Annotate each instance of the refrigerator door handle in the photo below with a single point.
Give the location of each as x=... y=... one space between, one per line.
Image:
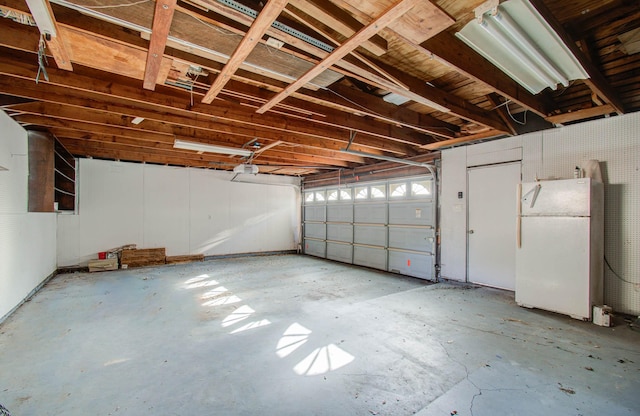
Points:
x=519 y=218
x=535 y=190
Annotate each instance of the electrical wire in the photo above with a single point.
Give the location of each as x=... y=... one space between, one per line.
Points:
x=214 y=27
x=380 y=115
x=114 y=6
x=524 y=120
x=616 y=274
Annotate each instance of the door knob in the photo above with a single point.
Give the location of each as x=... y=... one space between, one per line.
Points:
x=470 y=231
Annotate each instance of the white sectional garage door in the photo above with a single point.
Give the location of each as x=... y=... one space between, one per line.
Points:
x=386 y=225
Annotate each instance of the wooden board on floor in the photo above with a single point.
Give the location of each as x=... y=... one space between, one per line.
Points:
x=184 y=259
x=143 y=257
x=103 y=265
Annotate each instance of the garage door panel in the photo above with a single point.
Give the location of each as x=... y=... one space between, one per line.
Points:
x=340 y=213
x=412 y=213
x=340 y=232
x=373 y=257
x=340 y=252
x=315 y=248
x=411 y=264
x=315 y=230
x=314 y=213
x=370 y=235
x=371 y=213
x=418 y=239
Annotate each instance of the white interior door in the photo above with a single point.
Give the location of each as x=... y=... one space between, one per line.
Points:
x=492 y=225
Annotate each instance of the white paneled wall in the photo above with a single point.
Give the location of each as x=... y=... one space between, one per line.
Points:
x=453 y=214
x=27 y=240
x=554 y=153
x=187 y=211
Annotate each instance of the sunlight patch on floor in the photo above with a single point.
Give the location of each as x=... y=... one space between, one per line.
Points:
x=322 y=360
x=240 y=314
x=222 y=300
x=292 y=338
x=252 y=325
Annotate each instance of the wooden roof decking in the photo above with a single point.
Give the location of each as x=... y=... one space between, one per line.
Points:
x=111 y=61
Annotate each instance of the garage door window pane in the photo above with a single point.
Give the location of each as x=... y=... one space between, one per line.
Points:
x=320 y=196
x=308 y=197
x=397 y=190
x=421 y=189
x=345 y=194
x=362 y=192
x=332 y=195
x=378 y=192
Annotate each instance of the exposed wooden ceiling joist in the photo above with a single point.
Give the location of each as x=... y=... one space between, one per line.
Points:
x=160 y=30
x=387 y=17
x=56 y=43
x=456 y=96
x=258 y=28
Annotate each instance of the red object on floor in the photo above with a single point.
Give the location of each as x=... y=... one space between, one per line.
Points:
x=102 y=255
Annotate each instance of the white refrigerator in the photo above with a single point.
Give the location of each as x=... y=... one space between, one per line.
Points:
x=560 y=246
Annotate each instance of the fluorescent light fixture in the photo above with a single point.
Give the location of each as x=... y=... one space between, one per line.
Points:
x=137 y=120
x=41 y=13
x=203 y=147
x=515 y=38
x=396 y=99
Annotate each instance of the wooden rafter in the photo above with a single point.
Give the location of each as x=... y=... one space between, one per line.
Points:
x=161 y=23
x=267 y=15
x=304 y=20
x=163 y=105
x=55 y=42
x=452 y=52
x=340 y=21
x=502 y=111
x=418 y=90
x=581 y=114
x=395 y=11
x=596 y=81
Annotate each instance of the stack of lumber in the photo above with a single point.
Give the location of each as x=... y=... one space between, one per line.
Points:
x=143 y=257
x=184 y=259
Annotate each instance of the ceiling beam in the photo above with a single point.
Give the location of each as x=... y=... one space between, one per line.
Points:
x=258 y=28
x=88 y=120
x=178 y=102
x=392 y=13
x=162 y=18
x=494 y=99
x=168 y=149
x=18 y=36
x=299 y=16
x=55 y=41
x=339 y=20
x=418 y=90
x=464 y=140
x=447 y=49
x=596 y=81
x=581 y=114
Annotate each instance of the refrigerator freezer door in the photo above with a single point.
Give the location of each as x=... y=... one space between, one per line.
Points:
x=552 y=265
x=569 y=197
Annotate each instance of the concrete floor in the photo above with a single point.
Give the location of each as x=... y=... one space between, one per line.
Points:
x=294 y=335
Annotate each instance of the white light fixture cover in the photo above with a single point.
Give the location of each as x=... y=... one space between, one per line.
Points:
x=42 y=15
x=203 y=147
x=521 y=43
x=137 y=120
